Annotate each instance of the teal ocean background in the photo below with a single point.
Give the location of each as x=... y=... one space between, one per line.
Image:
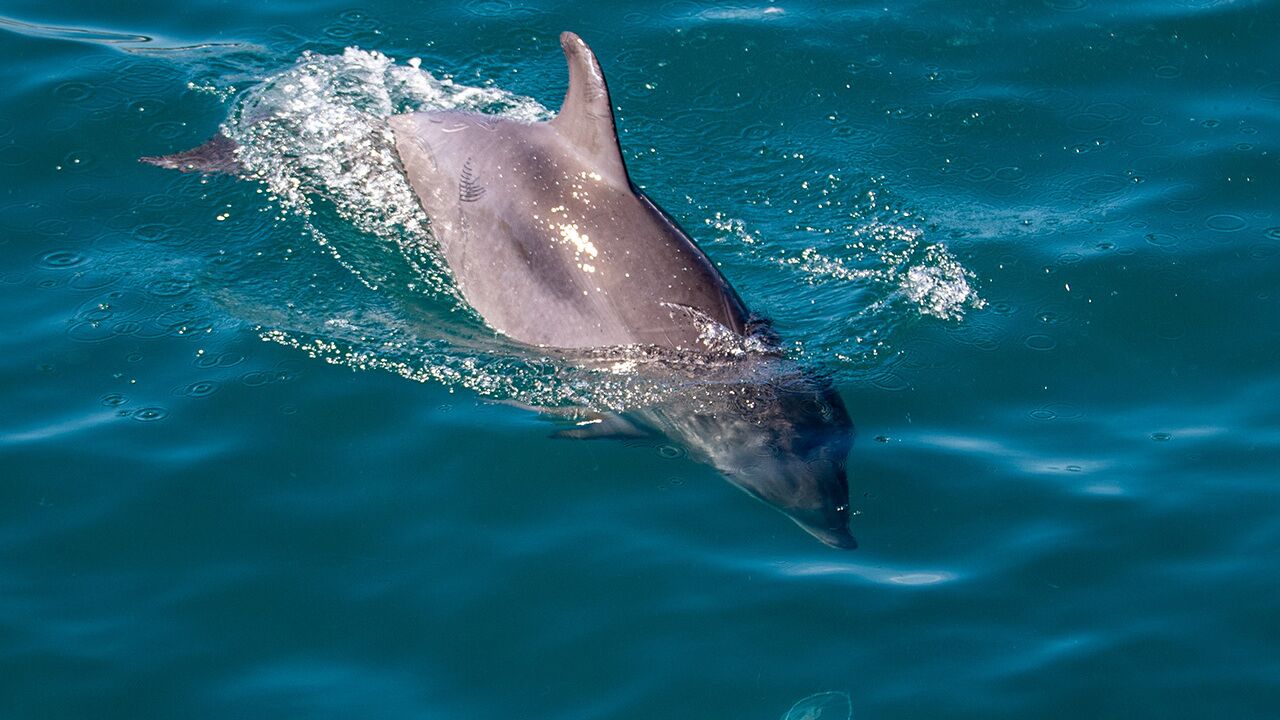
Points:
x=244 y=473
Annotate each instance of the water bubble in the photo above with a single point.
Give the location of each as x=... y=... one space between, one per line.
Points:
x=78 y=161
x=59 y=259
x=1224 y=222
x=221 y=360
x=1161 y=436
x=755 y=132
x=890 y=382
x=1097 y=187
x=1142 y=140
x=489 y=8
x=150 y=414
x=256 y=378
x=168 y=287
x=53 y=227
x=147 y=106
x=113 y=400
x=203 y=388
x=167 y=130
x=670 y=452
x=983 y=336
x=152 y=232
x=1040 y=342
x=979 y=173
x=73 y=92
x=1263 y=251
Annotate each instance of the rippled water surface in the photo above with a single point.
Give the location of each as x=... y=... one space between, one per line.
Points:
x=259 y=459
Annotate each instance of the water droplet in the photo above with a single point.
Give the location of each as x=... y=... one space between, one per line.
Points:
x=150 y=414
x=114 y=400
x=1161 y=436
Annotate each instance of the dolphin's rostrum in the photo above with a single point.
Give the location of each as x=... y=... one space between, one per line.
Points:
x=551 y=243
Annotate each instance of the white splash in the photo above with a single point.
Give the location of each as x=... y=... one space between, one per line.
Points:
x=318 y=132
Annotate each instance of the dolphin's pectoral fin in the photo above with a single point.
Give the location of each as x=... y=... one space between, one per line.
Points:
x=601 y=426
x=217 y=155
x=586 y=117
x=585 y=423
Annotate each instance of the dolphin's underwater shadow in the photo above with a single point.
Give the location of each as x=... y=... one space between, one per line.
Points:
x=550 y=242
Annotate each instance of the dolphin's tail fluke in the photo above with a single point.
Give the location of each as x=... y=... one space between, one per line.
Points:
x=218 y=155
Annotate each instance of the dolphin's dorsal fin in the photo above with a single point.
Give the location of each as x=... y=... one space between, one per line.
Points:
x=586 y=117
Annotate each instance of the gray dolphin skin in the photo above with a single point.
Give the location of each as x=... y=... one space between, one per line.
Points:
x=548 y=239
x=775 y=431
x=554 y=246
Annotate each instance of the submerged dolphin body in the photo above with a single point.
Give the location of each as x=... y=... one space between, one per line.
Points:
x=551 y=243
x=775 y=431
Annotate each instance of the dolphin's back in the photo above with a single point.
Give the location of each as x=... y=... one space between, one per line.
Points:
x=545 y=234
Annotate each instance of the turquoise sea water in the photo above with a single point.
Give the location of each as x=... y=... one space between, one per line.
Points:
x=257 y=461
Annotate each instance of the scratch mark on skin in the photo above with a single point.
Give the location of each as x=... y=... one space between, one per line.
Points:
x=469 y=187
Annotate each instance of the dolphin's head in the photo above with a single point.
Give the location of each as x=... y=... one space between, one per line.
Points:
x=784 y=441
x=801 y=442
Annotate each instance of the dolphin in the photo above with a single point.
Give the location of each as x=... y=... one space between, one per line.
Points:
x=772 y=429
x=550 y=241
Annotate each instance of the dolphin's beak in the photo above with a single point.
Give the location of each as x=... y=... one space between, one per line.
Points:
x=839 y=537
